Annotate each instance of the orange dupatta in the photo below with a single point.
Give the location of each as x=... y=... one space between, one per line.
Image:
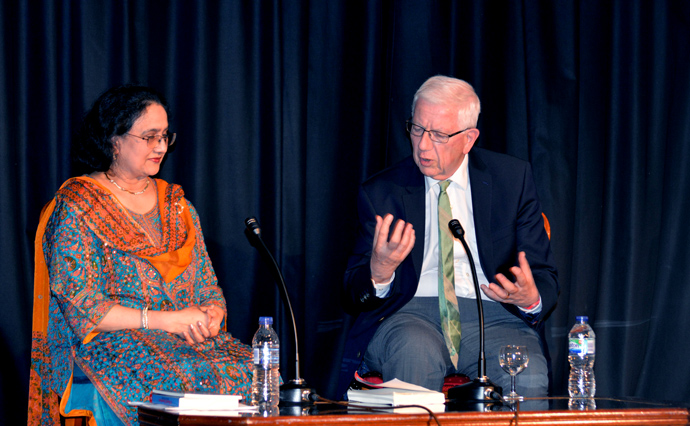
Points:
x=169 y=264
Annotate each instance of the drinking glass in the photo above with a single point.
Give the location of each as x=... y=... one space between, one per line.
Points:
x=513 y=359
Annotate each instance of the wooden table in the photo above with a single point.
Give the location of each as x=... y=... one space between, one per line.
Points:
x=619 y=412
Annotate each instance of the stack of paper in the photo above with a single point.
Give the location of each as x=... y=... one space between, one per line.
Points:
x=395 y=393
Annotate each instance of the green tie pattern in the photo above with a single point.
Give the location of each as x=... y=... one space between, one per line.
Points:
x=447 y=300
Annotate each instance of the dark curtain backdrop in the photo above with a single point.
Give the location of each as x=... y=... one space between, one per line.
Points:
x=283 y=108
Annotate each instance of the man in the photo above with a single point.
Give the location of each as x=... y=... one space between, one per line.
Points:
x=400 y=278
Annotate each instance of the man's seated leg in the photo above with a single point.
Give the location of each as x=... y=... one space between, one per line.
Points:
x=409 y=346
x=502 y=328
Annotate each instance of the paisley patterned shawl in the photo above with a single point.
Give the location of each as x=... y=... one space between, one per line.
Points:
x=111 y=221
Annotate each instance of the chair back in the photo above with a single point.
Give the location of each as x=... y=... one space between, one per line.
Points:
x=547 y=226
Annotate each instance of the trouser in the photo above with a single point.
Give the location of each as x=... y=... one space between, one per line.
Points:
x=409 y=346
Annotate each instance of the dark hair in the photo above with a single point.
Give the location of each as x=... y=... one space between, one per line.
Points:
x=113 y=114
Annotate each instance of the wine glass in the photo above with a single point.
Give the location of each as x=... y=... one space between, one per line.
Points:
x=513 y=359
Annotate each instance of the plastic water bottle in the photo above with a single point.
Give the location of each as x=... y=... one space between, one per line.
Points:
x=581 y=351
x=266 y=381
x=582 y=404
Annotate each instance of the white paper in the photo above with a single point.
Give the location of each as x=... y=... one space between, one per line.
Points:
x=399 y=384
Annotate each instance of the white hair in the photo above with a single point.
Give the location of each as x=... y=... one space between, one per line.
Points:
x=440 y=89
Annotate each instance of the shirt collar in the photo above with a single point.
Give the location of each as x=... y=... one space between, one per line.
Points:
x=460 y=177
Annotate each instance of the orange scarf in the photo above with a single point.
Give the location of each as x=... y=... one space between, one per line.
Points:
x=169 y=264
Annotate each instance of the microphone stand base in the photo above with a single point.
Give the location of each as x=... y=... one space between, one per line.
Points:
x=296 y=392
x=477 y=395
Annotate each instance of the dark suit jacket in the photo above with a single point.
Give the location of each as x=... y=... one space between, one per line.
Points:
x=507 y=219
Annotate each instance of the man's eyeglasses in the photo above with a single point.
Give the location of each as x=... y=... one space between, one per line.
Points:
x=439 y=137
x=153 y=140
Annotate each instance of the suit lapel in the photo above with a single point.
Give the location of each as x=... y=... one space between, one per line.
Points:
x=481 y=184
x=415 y=210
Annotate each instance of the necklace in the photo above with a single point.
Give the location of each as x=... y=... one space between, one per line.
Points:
x=127 y=190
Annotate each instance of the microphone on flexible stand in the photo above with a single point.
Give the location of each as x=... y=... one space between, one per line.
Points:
x=480 y=391
x=295 y=392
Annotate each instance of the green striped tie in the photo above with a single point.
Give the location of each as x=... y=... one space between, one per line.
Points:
x=447 y=300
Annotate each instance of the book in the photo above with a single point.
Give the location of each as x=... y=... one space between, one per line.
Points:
x=395 y=383
x=406 y=409
x=396 y=396
x=195 y=400
x=240 y=410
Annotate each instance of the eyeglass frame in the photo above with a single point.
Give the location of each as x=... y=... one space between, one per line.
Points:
x=409 y=123
x=148 y=139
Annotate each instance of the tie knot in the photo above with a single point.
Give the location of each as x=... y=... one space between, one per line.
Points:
x=444 y=185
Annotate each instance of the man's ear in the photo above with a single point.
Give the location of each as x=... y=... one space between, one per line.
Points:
x=472 y=135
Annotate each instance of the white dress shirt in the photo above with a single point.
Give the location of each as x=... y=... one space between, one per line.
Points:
x=460 y=196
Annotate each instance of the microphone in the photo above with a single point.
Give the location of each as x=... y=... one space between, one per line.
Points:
x=480 y=390
x=294 y=392
x=253 y=225
x=456 y=230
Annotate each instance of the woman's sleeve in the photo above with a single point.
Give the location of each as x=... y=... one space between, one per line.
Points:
x=78 y=267
x=207 y=288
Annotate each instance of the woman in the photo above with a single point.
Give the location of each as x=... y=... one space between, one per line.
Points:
x=126 y=297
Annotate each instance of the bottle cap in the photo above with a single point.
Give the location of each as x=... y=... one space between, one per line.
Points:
x=265 y=320
x=582 y=318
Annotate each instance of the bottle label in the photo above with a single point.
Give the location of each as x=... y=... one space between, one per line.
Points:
x=265 y=355
x=581 y=346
